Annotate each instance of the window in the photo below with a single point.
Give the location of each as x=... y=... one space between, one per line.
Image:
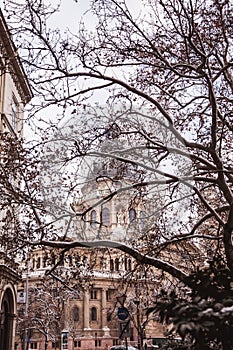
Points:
x=93 y=218
x=75 y=314
x=125 y=263
x=33 y=346
x=129 y=265
x=38 y=263
x=111 y=265
x=93 y=294
x=97 y=341
x=14 y=112
x=53 y=259
x=117 y=264
x=45 y=260
x=77 y=343
x=132 y=215
x=93 y=314
x=109 y=315
x=105 y=216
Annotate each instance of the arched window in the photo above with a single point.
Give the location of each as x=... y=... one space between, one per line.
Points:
x=105 y=216
x=93 y=313
x=93 y=218
x=126 y=264
x=132 y=215
x=75 y=313
x=117 y=264
x=111 y=265
x=129 y=265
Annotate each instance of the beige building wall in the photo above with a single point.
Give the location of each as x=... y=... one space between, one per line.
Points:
x=90 y=314
x=14 y=94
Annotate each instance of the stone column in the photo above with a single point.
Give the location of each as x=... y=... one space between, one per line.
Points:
x=86 y=310
x=104 y=313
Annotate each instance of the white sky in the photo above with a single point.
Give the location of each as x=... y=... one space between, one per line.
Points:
x=71 y=12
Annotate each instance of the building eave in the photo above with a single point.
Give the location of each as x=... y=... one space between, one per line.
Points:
x=11 y=52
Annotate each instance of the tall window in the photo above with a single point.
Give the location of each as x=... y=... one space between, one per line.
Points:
x=111 y=265
x=38 y=263
x=93 y=294
x=132 y=215
x=44 y=260
x=105 y=216
x=14 y=112
x=93 y=313
x=117 y=264
x=53 y=259
x=93 y=218
x=75 y=313
x=129 y=265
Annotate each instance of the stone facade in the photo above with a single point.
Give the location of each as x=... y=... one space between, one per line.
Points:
x=14 y=94
x=88 y=313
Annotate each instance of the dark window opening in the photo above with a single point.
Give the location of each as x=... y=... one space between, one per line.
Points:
x=132 y=215
x=117 y=264
x=93 y=294
x=75 y=314
x=111 y=265
x=93 y=314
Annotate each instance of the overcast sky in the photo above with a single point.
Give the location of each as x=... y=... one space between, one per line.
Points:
x=71 y=12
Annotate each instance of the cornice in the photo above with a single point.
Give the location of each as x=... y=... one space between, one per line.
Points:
x=9 y=52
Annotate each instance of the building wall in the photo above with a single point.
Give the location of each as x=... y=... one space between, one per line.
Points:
x=95 y=324
x=96 y=278
x=14 y=94
x=100 y=291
